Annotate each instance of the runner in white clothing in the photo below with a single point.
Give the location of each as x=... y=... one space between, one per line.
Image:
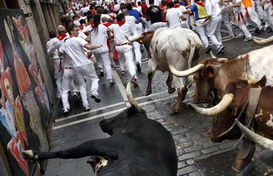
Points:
x=131 y=20
x=99 y=35
x=122 y=31
x=174 y=16
x=52 y=51
x=82 y=66
x=215 y=20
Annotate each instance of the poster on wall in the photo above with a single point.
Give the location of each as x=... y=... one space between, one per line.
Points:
x=24 y=102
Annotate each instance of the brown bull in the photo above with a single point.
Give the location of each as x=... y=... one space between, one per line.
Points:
x=223 y=122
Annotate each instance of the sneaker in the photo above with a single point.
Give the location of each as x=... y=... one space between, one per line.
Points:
x=258 y=31
x=66 y=112
x=138 y=67
x=220 y=49
x=207 y=50
x=111 y=81
x=86 y=109
x=101 y=74
x=247 y=39
x=96 y=98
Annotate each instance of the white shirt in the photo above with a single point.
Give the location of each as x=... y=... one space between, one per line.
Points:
x=213 y=8
x=173 y=17
x=99 y=37
x=131 y=20
x=237 y=10
x=116 y=7
x=121 y=32
x=82 y=35
x=73 y=47
x=84 y=9
x=52 y=47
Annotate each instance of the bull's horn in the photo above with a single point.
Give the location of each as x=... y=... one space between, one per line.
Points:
x=222 y=59
x=220 y=107
x=252 y=81
x=264 y=142
x=135 y=38
x=187 y=72
x=263 y=41
x=212 y=55
x=130 y=97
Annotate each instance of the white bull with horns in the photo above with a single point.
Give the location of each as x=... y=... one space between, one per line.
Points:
x=174 y=50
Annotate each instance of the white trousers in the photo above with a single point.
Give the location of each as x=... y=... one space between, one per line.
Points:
x=68 y=76
x=226 y=21
x=254 y=17
x=88 y=72
x=201 y=29
x=103 y=60
x=242 y=26
x=126 y=55
x=137 y=52
x=58 y=76
x=267 y=16
x=214 y=32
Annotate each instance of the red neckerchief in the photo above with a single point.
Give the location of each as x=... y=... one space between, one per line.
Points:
x=107 y=24
x=61 y=36
x=176 y=5
x=200 y=3
x=120 y=23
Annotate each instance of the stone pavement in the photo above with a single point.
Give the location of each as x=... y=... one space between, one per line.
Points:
x=189 y=129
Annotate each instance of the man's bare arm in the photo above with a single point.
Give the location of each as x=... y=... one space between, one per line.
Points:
x=91 y=47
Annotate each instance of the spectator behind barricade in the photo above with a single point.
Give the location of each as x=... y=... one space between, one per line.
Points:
x=133 y=12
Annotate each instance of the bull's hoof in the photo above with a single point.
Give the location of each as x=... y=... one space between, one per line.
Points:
x=175 y=109
x=148 y=92
x=172 y=112
x=171 y=90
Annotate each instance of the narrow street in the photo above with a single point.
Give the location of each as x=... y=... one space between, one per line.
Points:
x=197 y=155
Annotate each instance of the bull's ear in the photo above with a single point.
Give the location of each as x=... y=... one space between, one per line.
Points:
x=261 y=82
x=208 y=72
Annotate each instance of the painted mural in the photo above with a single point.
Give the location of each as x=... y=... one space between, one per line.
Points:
x=24 y=102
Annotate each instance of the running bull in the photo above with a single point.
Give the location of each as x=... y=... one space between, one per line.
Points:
x=251 y=105
x=172 y=49
x=212 y=80
x=137 y=146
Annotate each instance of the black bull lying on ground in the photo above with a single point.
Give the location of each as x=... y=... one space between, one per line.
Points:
x=137 y=146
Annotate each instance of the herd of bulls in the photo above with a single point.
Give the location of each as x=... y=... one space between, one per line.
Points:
x=237 y=89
